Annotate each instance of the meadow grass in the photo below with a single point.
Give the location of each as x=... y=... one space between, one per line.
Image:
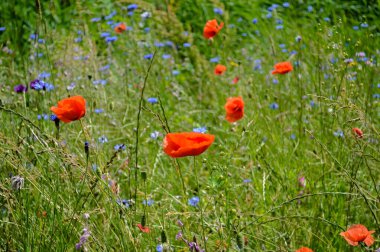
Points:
x=290 y=173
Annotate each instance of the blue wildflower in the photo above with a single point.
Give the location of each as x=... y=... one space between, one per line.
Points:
x=254 y=21
x=194 y=201
x=119 y=147
x=200 y=129
x=104 y=34
x=159 y=44
x=175 y=72
x=53 y=117
x=33 y=36
x=282 y=45
x=132 y=7
x=214 y=60
x=169 y=43
x=218 y=11
x=146 y=29
x=339 y=133
x=41 y=41
x=275 y=81
x=2 y=28
x=97 y=82
x=269 y=15
x=71 y=86
x=279 y=21
x=95 y=19
x=148 y=202
x=327 y=19
x=247 y=180
x=166 y=56
x=286 y=5
x=110 y=15
x=312 y=104
x=309 y=8
x=104 y=68
x=111 y=39
x=160 y=248
x=103 y=139
x=148 y=56
x=274 y=106
x=279 y=27
x=154 y=135
x=98 y=111
x=78 y=40
x=292 y=136
x=355 y=27
x=152 y=100
x=364 y=25
x=186 y=44
x=44 y=75
x=376 y=96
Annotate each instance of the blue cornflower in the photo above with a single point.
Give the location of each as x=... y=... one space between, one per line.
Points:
x=132 y=7
x=214 y=60
x=104 y=34
x=104 y=68
x=355 y=27
x=194 y=201
x=152 y=100
x=231 y=26
x=110 y=22
x=41 y=41
x=175 y=72
x=254 y=21
x=148 y=202
x=200 y=129
x=98 y=111
x=110 y=15
x=269 y=15
x=48 y=86
x=364 y=25
x=218 y=11
x=293 y=52
x=285 y=4
x=78 y=40
x=119 y=147
x=2 y=28
x=275 y=81
x=160 y=248
x=282 y=45
x=247 y=180
x=279 y=21
x=309 y=8
x=103 y=139
x=111 y=39
x=53 y=117
x=327 y=19
x=159 y=44
x=154 y=135
x=95 y=19
x=169 y=43
x=166 y=56
x=124 y=202
x=44 y=75
x=279 y=27
x=148 y=56
x=339 y=133
x=33 y=36
x=292 y=136
x=146 y=29
x=97 y=82
x=274 y=106
x=186 y=44
x=376 y=96
x=312 y=104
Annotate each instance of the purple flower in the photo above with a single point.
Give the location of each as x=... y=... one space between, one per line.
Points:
x=179 y=223
x=119 y=147
x=247 y=180
x=302 y=181
x=178 y=235
x=148 y=202
x=83 y=239
x=154 y=135
x=218 y=11
x=20 y=88
x=96 y=19
x=194 y=201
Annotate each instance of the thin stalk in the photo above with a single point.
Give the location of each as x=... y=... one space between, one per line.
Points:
x=200 y=207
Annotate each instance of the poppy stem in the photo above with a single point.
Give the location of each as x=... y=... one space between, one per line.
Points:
x=200 y=201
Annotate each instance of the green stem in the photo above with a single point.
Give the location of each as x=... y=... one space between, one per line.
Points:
x=200 y=205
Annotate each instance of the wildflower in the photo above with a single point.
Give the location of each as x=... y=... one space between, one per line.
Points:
x=159 y=44
x=166 y=56
x=309 y=8
x=103 y=139
x=247 y=180
x=104 y=34
x=160 y=248
x=148 y=56
x=17 y=182
x=179 y=223
x=358 y=233
x=358 y=132
x=200 y=130
x=364 y=25
x=111 y=15
x=298 y=38
x=327 y=19
x=186 y=144
x=254 y=21
x=111 y=39
x=97 y=82
x=86 y=216
x=154 y=135
x=214 y=60
x=282 y=68
x=98 y=111
x=274 y=106
x=186 y=44
x=269 y=15
x=355 y=27
x=132 y=7
x=2 y=28
x=20 y=88
x=71 y=86
x=175 y=72
x=285 y=4
x=304 y=249
x=119 y=147
x=95 y=19
x=234 y=109
x=148 y=202
x=235 y=80
x=194 y=201
x=339 y=133
x=37 y=84
x=44 y=75
x=143 y=229
x=218 y=11
x=279 y=27
x=120 y=28
x=83 y=239
x=146 y=15
x=220 y=69
x=70 y=109
x=212 y=28
x=41 y=41
x=302 y=181
x=152 y=100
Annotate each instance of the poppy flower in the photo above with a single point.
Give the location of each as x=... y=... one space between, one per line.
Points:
x=120 y=28
x=234 y=109
x=358 y=132
x=220 y=69
x=212 y=28
x=235 y=80
x=282 y=68
x=304 y=249
x=143 y=229
x=358 y=233
x=70 y=109
x=186 y=144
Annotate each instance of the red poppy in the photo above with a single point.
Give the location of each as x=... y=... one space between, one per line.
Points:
x=235 y=80
x=304 y=249
x=70 y=109
x=234 y=109
x=220 y=69
x=358 y=233
x=186 y=144
x=358 y=132
x=212 y=28
x=282 y=68
x=120 y=28
x=143 y=229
